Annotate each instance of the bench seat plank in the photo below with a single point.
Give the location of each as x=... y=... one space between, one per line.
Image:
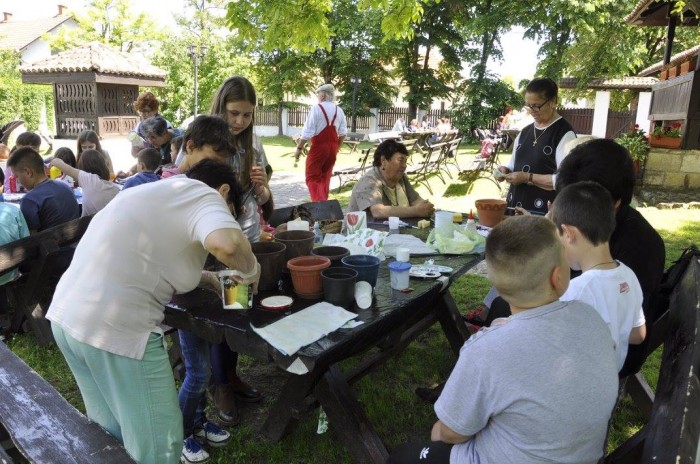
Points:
x=44 y=427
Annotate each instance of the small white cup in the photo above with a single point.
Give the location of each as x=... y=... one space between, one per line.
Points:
x=393 y=223
x=363 y=294
x=403 y=254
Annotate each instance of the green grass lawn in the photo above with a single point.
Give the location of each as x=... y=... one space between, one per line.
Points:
x=387 y=394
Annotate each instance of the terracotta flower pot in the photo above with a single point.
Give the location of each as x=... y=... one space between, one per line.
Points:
x=490 y=211
x=663 y=75
x=673 y=72
x=689 y=65
x=665 y=142
x=306 y=275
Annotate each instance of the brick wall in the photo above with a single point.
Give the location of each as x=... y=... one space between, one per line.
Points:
x=671 y=174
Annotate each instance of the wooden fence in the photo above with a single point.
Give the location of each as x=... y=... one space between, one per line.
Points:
x=266 y=117
x=581 y=119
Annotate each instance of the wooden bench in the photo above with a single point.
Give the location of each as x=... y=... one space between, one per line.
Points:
x=671 y=434
x=43 y=426
x=31 y=293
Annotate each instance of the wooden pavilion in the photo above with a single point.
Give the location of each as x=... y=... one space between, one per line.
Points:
x=94 y=88
x=676 y=100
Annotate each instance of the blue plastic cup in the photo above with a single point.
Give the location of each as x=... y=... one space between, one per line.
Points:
x=367 y=267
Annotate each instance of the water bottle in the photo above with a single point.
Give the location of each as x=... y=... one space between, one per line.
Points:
x=318 y=237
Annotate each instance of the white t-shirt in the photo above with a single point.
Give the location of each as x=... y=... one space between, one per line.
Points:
x=97 y=192
x=316 y=122
x=617 y=296
x=141 y=249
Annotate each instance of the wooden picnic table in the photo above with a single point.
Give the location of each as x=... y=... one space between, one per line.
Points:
x=390 y=324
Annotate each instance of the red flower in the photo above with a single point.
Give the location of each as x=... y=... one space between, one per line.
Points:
x=352 y=219
x=369 y=243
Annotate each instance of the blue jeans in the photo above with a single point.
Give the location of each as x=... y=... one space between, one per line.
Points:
x=192 y=396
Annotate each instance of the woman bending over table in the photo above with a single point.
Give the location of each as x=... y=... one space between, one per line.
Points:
x=385 y=190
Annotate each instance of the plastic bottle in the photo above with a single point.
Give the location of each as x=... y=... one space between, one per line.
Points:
x=471 y=224
x=318 y=237
x=13 y=184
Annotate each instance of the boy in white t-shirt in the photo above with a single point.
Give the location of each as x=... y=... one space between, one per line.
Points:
x=584 y=215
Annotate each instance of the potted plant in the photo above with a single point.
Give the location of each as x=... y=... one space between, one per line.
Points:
x=667 y=136
x=637 y=144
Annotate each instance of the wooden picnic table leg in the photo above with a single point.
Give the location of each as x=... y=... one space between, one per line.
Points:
x=284 y=414
x=451 y=321
x=348 y=420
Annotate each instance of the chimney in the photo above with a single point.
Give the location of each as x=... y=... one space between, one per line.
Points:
x=6 y=17
x=62 y=9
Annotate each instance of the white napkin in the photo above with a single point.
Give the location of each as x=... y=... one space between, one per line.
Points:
x=293 y=332
x=416 y=245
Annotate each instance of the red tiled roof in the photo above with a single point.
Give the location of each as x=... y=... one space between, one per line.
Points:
x=96 y=57
x=675 y=59
x=17 y=35
x=635 y=83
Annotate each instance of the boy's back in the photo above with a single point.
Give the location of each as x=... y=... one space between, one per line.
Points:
x=49 y=204
x=617 y=296
x=539 y=388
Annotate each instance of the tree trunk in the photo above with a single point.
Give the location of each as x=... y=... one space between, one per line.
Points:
x=280 y=108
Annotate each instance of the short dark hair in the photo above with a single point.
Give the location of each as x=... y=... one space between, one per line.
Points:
x=154 y=125
x=603 y=161
x=93 y=161
x=213 y=131
x=28 y=139
x=518 y=265
x=150 y=157
x=215 y=174
x=587 y=206
x=386 y=150
x=543 y=85
x=25 y=157
x=66 y=155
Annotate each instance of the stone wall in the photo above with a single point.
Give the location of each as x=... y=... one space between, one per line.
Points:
x=671 y=175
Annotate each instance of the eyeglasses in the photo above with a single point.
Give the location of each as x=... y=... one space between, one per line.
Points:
x=536 y=108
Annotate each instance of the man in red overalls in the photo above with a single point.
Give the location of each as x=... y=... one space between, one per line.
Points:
x=326 y=127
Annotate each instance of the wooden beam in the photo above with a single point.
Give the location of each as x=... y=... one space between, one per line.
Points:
x=90 y=77
x=670 y=34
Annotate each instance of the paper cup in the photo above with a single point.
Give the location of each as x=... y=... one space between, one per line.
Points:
x=355 y=221
x=363 y=294
x=403 y=254
x=443 y=222
x=233 y=294
x=393 y=223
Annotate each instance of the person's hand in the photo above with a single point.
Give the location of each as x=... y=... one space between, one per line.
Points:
x=521 y=211
x=424 y=208
x=252 y=278
x=258 y=175
x=517 y=177
x=266 y=236
x=210 y=281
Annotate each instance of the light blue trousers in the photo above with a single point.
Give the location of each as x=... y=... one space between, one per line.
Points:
x=134 y=400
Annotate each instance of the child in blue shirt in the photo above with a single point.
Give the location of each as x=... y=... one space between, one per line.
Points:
x=148 y=160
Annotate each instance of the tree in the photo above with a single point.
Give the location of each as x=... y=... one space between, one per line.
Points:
x=201 y=25
x=22 y=101
x=281 y=74
x=111 y=22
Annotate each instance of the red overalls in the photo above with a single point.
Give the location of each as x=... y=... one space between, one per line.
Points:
x=321 y=158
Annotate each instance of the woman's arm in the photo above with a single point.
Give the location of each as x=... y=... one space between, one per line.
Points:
x=543 y=181
x=232 y=248
x=420 y=208
x=65 y=168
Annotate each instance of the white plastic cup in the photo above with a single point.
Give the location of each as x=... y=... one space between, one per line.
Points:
x=403 y=254
x=443 y=222
x=393 y=223
x=363 y=294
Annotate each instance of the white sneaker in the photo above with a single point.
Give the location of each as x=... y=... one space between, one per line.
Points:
x=212 y=435
x=193 y=453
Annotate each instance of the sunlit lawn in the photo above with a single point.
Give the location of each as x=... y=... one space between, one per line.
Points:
x=387 y=394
